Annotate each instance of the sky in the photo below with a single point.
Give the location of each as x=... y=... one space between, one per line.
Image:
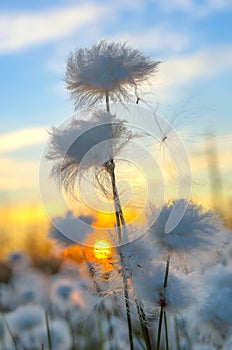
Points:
x=192 y=88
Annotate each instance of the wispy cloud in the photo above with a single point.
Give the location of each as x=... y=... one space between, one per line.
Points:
x=184 y=70
x=196 y=8
x=22 y=138
x=200 y=64
x=18 y=175
x=158 y=38
x=22 y=29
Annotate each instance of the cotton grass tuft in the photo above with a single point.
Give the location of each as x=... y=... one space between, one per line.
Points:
x=80 y=143
x=106 y=69
x=198 y=230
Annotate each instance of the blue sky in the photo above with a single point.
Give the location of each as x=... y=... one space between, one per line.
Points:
x=192 y=38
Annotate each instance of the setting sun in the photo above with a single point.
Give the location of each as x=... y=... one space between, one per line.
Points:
x=102 y=249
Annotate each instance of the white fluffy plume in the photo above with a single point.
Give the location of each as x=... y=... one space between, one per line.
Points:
x=106 y=69
x=89 y=143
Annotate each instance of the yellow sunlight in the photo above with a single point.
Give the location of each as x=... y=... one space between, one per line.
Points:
x=102 y=249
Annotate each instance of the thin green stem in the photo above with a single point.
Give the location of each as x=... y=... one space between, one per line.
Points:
x=48 y=331
x=119 y=221
x=145 y=330
x=162 y=308
x=107 y=102
x=166 y=330
x=10 y=332
x=166 y=272
x=129 y=323
x=120 y=217
x=159 y=328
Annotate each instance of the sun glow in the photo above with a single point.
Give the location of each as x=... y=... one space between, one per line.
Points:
x=102 y=250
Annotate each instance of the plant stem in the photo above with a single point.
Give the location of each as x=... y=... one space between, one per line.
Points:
x=129 y=323
x=162 y=310
x=107 y=102
x=120 y=221
x=117 y=204
x=48 y=332
x=141 y=313
x=159 y=328
x=10 y=332
x=166 y=330
x=145 y=330
x=166 y=272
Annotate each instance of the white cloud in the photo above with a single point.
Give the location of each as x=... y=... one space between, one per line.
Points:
x=158 y=38
x=22 y=138
x=196 y=8
x=181 y=70
x=21 y=30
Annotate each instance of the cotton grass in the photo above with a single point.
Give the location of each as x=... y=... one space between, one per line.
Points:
x=80 y=142
x=198 y=230
x=107 y=69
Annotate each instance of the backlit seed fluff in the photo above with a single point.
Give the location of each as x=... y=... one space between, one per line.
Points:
x=106 y=69
x=83 y=144
x=198 y=230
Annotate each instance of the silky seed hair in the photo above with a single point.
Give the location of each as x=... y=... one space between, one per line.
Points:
x=69 y=145
x=107 y=69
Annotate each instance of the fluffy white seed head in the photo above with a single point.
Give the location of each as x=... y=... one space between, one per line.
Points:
x=179 y=294
x=25 y=318
x=30 y=287
x=217 y=311
x=60 y=336
x=67 y=295
x=198 y=230
x=106 y=69
x=18 y=261
x=89 y=143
